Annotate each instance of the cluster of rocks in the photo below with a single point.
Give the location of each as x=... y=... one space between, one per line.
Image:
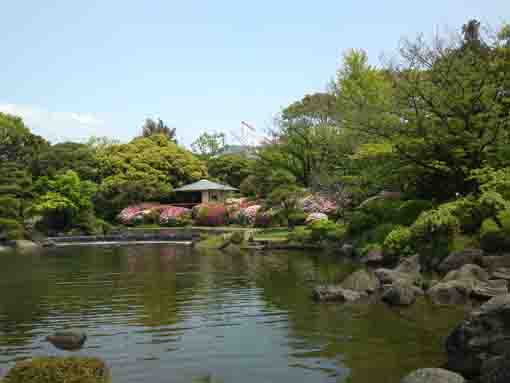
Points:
x=468 y=275
x=479 y=348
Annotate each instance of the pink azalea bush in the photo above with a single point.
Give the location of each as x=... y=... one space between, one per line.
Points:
x=211 y=214
x=170 y=213
x=315 y=217
x=315 y=203
x=250 y=213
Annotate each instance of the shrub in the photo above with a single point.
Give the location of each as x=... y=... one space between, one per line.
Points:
x=168 y=216
x=382 y=210
x=250 y=213
x=492 y=237
x=323 y=229
x=380 y=232
x=504 y=221
x=249 y=186
x=300 y=235
x=434 y=231
x=409 y=211
x=9 y=207
x=237 y=237
x=212 y=214
x=399 y=242
x=360 y=221
x=11 y=229
x=263 y=218
x=296 y=218
x=315 y=217
x=52 y=369
x=491 y=203
x=318 y=204
x=370 y=247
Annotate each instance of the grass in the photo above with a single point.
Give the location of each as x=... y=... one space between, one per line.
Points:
x=273 y=234
x=53 y=369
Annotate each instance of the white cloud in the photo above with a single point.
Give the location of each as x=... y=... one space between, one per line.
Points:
x=57 y=126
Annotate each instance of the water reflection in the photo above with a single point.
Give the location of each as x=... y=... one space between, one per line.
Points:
x=168 y=313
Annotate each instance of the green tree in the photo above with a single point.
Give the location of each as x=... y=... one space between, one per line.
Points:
x=65 y=202
x=146 y=169
x=230 y=169
x=209 y=145
x=444 y=109
x=65 y=156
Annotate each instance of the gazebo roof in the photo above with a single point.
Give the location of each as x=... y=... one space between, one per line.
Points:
x=203 y=185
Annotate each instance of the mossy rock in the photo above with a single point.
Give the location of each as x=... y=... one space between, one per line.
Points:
x=53 y=370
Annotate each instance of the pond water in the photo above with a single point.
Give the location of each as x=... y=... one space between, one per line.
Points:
x=167 y=313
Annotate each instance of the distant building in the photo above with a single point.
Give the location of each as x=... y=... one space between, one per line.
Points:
x=203 y=191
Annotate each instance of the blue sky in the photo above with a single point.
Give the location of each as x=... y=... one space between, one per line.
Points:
x=100 y=67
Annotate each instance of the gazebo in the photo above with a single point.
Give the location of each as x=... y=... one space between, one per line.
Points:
x=204 y=191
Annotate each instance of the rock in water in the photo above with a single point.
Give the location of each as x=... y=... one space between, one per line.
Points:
x=459 y=259
x=485 y=335
x=433 y=375
x=67 y=340
x=362 y=281
x=336 y=293
x=400 y=294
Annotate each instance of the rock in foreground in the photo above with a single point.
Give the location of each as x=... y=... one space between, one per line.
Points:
x=433 y=375
x=484 y=336
x=46 y=370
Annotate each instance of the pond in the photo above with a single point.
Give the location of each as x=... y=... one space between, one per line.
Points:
x=164 y=313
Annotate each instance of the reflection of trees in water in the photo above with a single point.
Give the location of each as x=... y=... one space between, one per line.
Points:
x=135 y=284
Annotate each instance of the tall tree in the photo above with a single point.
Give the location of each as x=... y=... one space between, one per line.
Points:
x=152 y=127
x=209 y=145
x=440 y=109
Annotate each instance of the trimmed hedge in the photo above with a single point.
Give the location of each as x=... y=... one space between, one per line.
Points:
x=492 y=237
x=399 y=242
x=212 y=214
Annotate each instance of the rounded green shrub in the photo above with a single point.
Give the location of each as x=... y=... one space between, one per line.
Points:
x=380 y=232
x=53 y=369
x=300 y=235
x=9 y=207
x=399 y=242
x=383 y=210
x=297 y=218
x=361 y=221
x=322 y=229
x=11 y=229
x=433 y=232
x=409 y=211
x=492 y=237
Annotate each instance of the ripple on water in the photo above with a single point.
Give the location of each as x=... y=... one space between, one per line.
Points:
x=160 y=314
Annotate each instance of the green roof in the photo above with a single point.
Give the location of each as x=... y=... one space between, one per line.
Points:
x=204 y=185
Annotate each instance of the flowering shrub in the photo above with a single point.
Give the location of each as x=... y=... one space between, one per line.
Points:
x=250 y=213
x=315 y=217
x=127 y=215
x=264 y=218
x=170 y=213
x=317 y=204
x=211 y=214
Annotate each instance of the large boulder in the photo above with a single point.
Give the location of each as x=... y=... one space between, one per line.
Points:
x=336 y=294
x=433 y=375
x=496 y=370
x=401 y=294
x=362 y=281
x=501 y=273
x=482 y=337
x=408 y=271
x=375 y=257
x=470 y=281
x=494 y=262
x=459 y=259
